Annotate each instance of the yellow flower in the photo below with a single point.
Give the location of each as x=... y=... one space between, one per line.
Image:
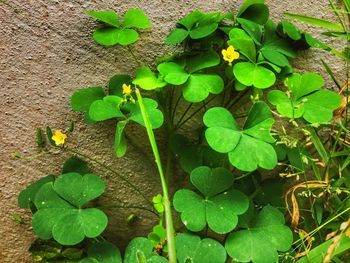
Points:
x=127 y=89
x=230 y=54
x=59 y=137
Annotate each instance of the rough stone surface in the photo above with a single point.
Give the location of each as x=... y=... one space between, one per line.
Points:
x=47 y=53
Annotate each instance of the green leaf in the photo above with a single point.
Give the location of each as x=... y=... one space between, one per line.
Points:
x=176 y=36
x=242 y=42
x=115 y=84
x=105 y=109
x=204 y=60
x=251 y=74
x=253 y=29
x=107 y=36
x=291 y=30
x=147 y=80
x=127 y=36
x=247 y=4
x=119 y=141
x=192 y=18
x=205 y=26
x=275 y=57
x=139 y=250
x=248 y=148
x=218 y=206
x=261 y=242
x=154 y=114
x=39 y=137
x=83 y=98
x=316 y=21
x=74 y=225
x=199 y=86
x=79 y=190
x=158 y=235
x=257 y=12
x=134 y=17
x=75 y=164
x=66 y=223
x=27 y=196
x=198 y=25
x=273 y=41
x=190 y=248
x=173 y=73
x=317 y=254
x=103 y=252
x=316 y=106
x=108 y=17
x=110 y=36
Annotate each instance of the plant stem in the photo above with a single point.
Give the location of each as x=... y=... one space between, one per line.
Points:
x=166 y=201
x=112 y=171
x=133 y=55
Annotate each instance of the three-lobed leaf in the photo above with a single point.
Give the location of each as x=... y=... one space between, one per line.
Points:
x=197 y=86
x=218 y=205
x=260 y=243
x=190 y=248
x=306 y=99
x=60 y=214
x=248 y=148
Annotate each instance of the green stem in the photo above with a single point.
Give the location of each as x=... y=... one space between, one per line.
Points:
x=112 y=171
x=179 y=125
x=166 y=201
x=133 y=55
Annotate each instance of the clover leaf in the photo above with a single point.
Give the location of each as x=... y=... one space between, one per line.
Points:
x=248 y=148
x=190 y=248
x=195 y=25
x=197 y=86
x=251 y=74
x=147 y=80
x=260 y=242
x=106 y=108
x=75 y=164
x=115 y=33
x=139 y=250
x=242 y=42
x=305 y=99
x=27 y=196
x=60 y=209
x=83 y=98
x=218 y=205
x=102 y=252
x=274 y=48
x=254 y=10
x=154 y=114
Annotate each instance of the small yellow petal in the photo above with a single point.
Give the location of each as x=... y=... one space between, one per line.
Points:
x=127 y=89
x=59 y=137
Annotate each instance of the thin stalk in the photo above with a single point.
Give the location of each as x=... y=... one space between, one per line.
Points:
x=133 y=55
x=194 y=113
x=135 y=188
x=184 y=114
x=166 y=201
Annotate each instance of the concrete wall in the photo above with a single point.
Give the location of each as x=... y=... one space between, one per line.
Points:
x=47 y=53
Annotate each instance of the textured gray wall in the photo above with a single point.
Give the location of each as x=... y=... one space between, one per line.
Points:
x=47 y=53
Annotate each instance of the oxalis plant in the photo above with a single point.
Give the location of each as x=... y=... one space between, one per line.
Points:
x=266 y=172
